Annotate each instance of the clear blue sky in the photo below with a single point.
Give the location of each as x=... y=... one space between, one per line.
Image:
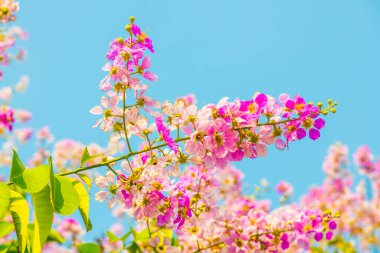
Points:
x=319 y=49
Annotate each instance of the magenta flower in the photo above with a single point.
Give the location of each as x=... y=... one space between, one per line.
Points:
x=313 y=126
x=284 y=241
x=165 y=134
x=7 y=118
x=135 y=30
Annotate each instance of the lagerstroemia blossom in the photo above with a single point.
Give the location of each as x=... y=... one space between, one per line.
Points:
x=157 y=187
x=180 y=184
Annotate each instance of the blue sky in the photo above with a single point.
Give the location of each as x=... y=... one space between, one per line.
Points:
x=215 y=48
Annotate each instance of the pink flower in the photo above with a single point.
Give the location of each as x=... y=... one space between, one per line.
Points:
x=220 y=138
x=284 y=188
x=150 y=76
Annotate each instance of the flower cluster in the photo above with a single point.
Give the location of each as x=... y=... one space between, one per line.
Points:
x=179 y=184
x=8 y=40
x=155 y=188
x=359 y=211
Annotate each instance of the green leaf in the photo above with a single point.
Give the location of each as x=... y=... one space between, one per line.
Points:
x=112 y=237
x=86 y=180
x=44 y=215
x=4 y=198
x=126 y=235
x=20 y=213
x=33 y=180
x=52 y=188
x=54 y=236
x=134 y=248
x=65 y=197
x=17 y=168
x=85 y=156
x=5 y=228
x=174 y=241
x=89 y=248
x=4 y=248
x=84 y=202
x=142 y=235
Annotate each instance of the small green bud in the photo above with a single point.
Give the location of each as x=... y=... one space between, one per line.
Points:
x=333 y=110
x=329 y=101
x=320 y=104
x=128 y=28
x=118 y=87
x=117 y=127
x=146 y=132
x=113 y=71
x=107 y=113
x=113 y=189
x=132 y=19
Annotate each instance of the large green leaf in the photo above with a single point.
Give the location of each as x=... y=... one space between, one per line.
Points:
x=5 y=228
x=84 y=202
x=89 y=248
x=4 y=198
x=44 y=214
x=17 y=168
x=33 y=180
x=65 y=197
x=20 y=213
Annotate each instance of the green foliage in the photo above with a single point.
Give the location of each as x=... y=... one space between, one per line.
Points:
x=174 y=241
x=54 y=236
x=4 y=198
x=114 y=238
x=85 y=156
x=134 y=248
x=142 y=235
x=5 y=228
x=17 y=168
x=84 y=202
x=20 y=213
x=44 y=214
x=65 y=197
x=4 y=248
x=89 y=248
x=33 y=180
